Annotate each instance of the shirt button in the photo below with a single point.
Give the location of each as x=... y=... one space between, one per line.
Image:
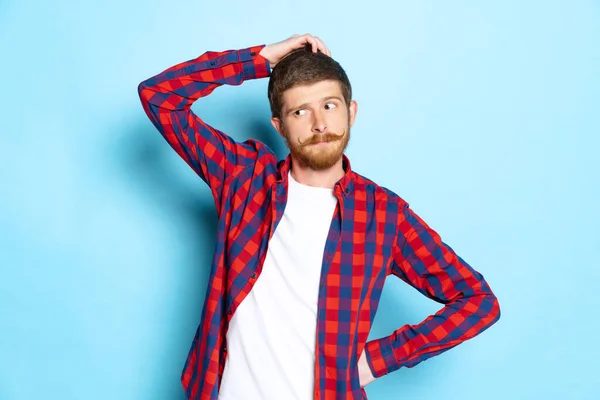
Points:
x=254 y=275
x=229 y=311
x=253 y=53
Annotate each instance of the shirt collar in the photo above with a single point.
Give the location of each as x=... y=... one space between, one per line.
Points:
x=345 y=183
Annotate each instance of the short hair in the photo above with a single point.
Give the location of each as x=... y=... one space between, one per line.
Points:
x=303 y=67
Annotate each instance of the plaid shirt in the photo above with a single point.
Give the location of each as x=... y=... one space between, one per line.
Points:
x=373 y=234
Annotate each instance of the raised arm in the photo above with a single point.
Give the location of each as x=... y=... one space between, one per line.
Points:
x=167 y=99
x=422 y=260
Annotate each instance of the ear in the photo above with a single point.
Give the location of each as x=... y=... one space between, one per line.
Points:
x=276 y=122
x=353 y=109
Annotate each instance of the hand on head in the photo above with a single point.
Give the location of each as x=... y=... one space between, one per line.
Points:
x=276 y=51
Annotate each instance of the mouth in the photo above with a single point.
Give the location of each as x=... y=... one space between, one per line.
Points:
x=321 y=140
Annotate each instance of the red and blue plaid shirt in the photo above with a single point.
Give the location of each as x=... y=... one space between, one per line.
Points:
x=373 y=234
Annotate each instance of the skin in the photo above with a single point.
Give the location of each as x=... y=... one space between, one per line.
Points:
x=315 y=123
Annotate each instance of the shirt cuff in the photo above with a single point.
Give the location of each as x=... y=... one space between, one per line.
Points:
x=380 y=357
x=253 y=64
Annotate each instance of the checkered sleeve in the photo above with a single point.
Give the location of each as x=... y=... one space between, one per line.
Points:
x=167 y=99
x=422 y=260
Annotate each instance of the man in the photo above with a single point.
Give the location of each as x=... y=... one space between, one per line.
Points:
x=304 y=244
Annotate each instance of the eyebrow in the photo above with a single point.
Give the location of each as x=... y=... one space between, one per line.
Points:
x=304 y=105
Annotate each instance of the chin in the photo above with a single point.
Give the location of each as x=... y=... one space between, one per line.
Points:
x=321 y=163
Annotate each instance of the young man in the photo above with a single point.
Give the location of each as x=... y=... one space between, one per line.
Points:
x=304 y=244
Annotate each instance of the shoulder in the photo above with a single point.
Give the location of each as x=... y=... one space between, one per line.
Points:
x=380 y=193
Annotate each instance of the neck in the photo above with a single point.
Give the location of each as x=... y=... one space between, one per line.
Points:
x=326 y=178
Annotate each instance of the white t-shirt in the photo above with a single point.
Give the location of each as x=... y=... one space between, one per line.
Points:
x=271 y=337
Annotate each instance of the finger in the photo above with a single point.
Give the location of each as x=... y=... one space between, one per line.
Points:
x=308 y=38
x=295 y=40
x=302 y=40
x=322 y=46
x=314 y=43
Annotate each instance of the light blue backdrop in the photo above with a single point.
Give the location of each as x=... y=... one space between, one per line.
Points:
x=483 y=115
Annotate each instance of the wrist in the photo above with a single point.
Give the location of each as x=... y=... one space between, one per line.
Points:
x=265 y=53
x=253 y=64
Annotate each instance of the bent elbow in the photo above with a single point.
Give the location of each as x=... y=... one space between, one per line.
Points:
x=142 y=87
x=493 y=314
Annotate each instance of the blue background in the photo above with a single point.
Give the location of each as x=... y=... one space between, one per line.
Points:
x=484 y=116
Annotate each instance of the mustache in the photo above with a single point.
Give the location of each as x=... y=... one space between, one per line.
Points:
x=326 y=137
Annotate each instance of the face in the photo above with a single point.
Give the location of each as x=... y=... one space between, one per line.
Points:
x=315 y=123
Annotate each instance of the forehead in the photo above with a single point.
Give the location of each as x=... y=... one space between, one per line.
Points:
x=311 y=93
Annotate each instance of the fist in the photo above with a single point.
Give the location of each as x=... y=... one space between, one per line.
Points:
x=276 y=51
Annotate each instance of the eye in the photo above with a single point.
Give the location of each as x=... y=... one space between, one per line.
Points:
x=330 y=106
x=300 y=112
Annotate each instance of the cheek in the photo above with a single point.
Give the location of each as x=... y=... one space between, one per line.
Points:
x=296 y=127
x=339 y=118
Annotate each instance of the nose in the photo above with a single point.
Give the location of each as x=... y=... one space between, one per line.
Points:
x=319 y=124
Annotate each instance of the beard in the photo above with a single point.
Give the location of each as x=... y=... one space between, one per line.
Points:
x=319 y=157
